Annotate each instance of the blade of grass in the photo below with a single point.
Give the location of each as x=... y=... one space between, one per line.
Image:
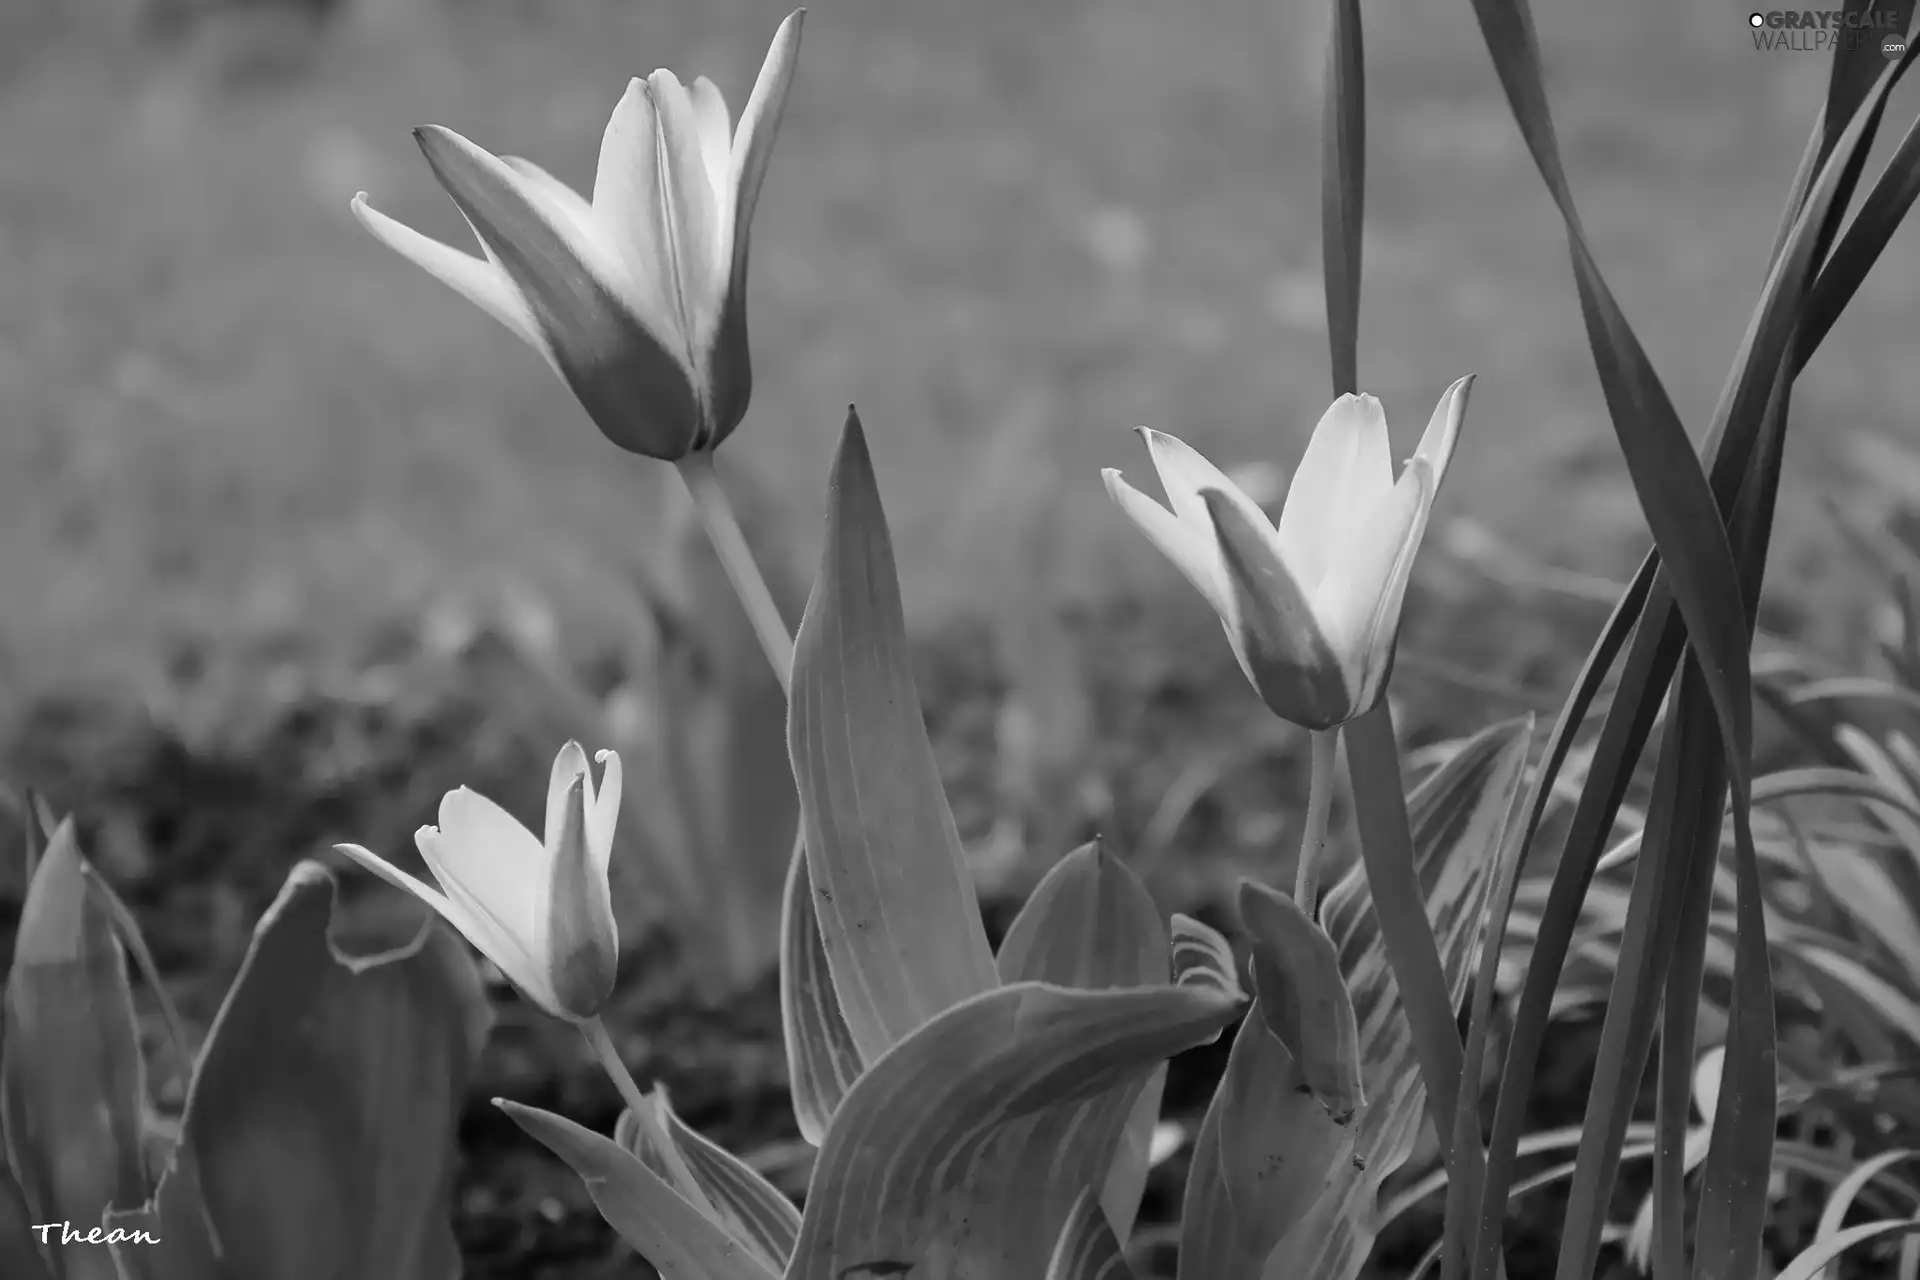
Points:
x=1646 y=950
x=1816 y=1257
x=1697 y=850
x=1655 y=650
x=1462 y=1198
x=1733 y=1197
x=1883 y=210
x=1508 y=28
x=1675 y=497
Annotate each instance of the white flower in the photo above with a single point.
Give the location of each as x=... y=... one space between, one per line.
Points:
x=1311 y=607
x=637 y=298
x=539 y=909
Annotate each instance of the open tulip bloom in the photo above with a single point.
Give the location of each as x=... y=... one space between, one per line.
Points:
x=637 y=297
x=1311 y=607
x=539 y=909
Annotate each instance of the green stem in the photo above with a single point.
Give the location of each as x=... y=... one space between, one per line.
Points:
x=736 y=557
x=1313 y=845
x=644 y=1112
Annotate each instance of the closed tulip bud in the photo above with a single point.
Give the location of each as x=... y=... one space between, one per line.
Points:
x=638 y=297
x=540 y=909
x=1311 y=606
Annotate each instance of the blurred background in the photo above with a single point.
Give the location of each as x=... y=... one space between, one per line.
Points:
x=292 y=539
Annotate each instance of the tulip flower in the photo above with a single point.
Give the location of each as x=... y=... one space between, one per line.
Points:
x=637 y=297
x=1311 y=607
x=540 y=910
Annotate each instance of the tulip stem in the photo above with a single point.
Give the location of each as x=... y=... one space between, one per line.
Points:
x=644 y=1113
x=1313 y=845
x=736 y=557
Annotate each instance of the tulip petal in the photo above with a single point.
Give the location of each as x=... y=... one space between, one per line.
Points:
x=1191 y=550
x=753 y=140
x=692 y=213
x=494 y=858
x=626 y=209
x=632 y=381
x=478 y=280
x=605 y=810
x=1359 y=601
x=484 y=933
x=1282 y=646
x=583 y=943
x=509 y=945
x=1345 y=472
x=1184 y=473
x=715 y=127
x=569 y=764
x=731 y=366
x=562 y=199
x=1443 y=429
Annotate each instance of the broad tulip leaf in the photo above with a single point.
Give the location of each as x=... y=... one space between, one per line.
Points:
x=892 y=888
x=930 y=1165
x=1266 y=1160
x=19 y=1248
x=679 y=1240
x=320 y=1122
x=1201 y=956
x=1091 y=923
x=1303 y=998
x=822 y=1059
x=1273 y=1193
x=751 y=1209
x=171 y=1237
x=72 y=1079
x=1088 y=1249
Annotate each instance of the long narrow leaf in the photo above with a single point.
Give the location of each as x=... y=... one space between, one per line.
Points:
x=751 y=1209
x=822 y=1059
x=1464 y=1219
x=1387 y=846
x=1646 y=951
x=678 y=1239
x=1815 y=1258
x=893 y=892
x=1343 y=184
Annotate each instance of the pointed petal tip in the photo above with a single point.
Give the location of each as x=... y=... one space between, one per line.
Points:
x=788 y=32
x=1119 y=489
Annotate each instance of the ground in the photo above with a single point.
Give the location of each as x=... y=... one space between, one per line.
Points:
x=247 y=450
